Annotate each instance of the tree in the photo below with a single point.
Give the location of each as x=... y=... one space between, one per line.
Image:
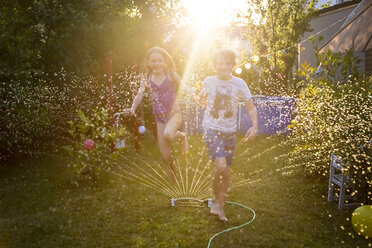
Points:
x=77 y=35
x=275 y=38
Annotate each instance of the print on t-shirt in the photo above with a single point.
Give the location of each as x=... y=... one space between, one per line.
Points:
x=222 y=101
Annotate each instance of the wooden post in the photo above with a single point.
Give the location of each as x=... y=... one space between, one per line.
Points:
x=136 y=125
x=110 y=95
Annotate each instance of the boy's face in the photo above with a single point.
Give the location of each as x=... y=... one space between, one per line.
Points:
x=224 y=68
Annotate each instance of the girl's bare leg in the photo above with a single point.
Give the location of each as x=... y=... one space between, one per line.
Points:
x=165 y=150
x=171 y=132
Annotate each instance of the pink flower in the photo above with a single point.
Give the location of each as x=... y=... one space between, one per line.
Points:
x=89 y=144
x=279 y=75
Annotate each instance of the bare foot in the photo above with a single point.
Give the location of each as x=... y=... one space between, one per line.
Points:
x=215 y=208
x=185 y=144
x=222 y=216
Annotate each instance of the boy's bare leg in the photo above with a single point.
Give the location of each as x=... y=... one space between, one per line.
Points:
x=225 y=183
x=222 y=182
x=165 y=150
x=215 y=208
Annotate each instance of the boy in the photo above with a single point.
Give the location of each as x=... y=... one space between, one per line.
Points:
x=221 y=95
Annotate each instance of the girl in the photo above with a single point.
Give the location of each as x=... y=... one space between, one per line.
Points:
x=163 y=82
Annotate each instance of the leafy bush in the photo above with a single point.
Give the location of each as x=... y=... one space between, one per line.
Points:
x=91 y=160
x=335 y=118
x=37 y=107
x=30 y=114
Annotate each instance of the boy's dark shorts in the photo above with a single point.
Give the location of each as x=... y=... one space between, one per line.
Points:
x=220 y=144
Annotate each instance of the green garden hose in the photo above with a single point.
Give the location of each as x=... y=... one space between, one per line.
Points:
x=235 y=227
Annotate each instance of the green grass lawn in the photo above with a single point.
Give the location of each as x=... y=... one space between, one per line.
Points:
x=43 y=204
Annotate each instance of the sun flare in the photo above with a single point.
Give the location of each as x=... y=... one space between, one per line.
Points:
x=211 y=13
x=210 y=21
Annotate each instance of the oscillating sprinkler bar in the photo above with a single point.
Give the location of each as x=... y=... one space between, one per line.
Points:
x=190 y=202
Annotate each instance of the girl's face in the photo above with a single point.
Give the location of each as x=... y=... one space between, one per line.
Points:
x=224 y=68
x=157 y=62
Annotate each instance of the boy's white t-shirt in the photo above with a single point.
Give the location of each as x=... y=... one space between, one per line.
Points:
x=222 y=102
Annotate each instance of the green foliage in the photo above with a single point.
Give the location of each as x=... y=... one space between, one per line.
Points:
x=30 y=117
x=18 y=41
x=335 y=118
x=281 y=27
x=37 y=107
x=78 y=35
x=97 y=128
x=337 y=67
x=305 y=73
x=340 y=66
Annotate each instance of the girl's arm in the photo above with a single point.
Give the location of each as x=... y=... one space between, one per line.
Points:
x=252 y=110
x=138 y=98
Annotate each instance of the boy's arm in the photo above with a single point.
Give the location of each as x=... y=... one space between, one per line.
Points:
x=252 y=110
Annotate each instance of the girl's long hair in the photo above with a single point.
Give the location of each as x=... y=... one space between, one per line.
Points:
x=168 y=60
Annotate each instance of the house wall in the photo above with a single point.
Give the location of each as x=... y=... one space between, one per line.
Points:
x=368 y=62
x=331 y=2
x=323 y=22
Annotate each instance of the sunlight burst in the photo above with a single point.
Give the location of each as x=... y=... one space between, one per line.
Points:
x=212 y=13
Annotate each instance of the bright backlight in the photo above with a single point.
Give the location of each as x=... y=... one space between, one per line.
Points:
x=211 y=13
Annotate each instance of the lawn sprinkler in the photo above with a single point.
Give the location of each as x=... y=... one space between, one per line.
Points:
x=190 y=202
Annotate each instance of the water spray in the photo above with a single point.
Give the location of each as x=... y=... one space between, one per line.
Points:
x=120 y=142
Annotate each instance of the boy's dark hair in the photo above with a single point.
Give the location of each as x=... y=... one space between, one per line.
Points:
x=227 y=54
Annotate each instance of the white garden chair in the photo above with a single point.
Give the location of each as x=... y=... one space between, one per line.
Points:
x=338 y=177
